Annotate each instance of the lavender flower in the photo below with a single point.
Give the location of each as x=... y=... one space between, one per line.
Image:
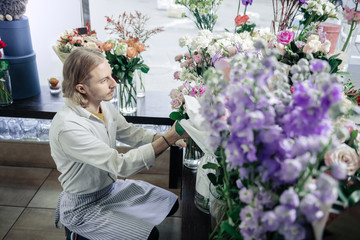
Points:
x=310 y=206
x=339 y=170
x=290 y=198
x=246 y=195
x=270 y=221
x=326 y=189
x=292 y=231
x=285 y=214
x=290 y=170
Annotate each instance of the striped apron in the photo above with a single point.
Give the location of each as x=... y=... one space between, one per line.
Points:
x=125 y=210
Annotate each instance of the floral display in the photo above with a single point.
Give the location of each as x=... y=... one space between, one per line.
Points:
x=271 y=146
x=130 y=32
x=241 y=21
x=203 y=13
x=5 y=89
x=72 y=39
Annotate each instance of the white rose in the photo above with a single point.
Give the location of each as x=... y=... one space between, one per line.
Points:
x=325 y=47
x=312 y=46
x=346 y=154
x=91 y=45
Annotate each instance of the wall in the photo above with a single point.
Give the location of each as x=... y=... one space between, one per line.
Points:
x=48 y=19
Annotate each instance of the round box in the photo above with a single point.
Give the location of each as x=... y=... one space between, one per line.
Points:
x=24 y=76
x=16 y=34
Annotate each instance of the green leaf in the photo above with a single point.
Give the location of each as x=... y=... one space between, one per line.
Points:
x=175 y=116
x=212 y=178
x=230 y=229
x=179 y=129
x=210 y=165
x=354 y=197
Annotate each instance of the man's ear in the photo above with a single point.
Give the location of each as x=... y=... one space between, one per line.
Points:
x=80 y=88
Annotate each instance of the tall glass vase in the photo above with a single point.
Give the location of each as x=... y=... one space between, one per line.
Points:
x=347 y=43
x=193 y=153
x=127 y=97
x=5 y=88
x=140 y=86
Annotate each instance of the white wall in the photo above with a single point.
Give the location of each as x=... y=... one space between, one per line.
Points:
x=48 y=19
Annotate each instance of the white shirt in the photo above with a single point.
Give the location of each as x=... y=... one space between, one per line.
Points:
x=84 y=147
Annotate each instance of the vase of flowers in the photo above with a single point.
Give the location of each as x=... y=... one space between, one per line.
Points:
x=130 y=27
x=75 y=38
x=123 y=58
x=5 y=81
x=272 y=144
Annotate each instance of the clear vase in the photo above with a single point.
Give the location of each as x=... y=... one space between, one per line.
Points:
x=193 y=153
x=202 y=190
x=5 y=88
x=346 y=45
x=127 y=97
x=217 y=207
x=140 y=87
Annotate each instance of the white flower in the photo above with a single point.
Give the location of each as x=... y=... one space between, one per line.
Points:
x=121 y=49
x=185 y=41
x=325 y=47
x=91 y=45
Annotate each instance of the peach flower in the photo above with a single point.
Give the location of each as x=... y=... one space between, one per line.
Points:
x=140 y=47
x=107 y=46
x=131 y=52
x=240 y=20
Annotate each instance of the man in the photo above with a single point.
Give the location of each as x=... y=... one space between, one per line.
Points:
x=94 y=203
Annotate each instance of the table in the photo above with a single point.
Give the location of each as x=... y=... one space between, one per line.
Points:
x=195 y=225
x=154 y=109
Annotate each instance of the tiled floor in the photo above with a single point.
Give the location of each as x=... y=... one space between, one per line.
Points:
x=28 y=198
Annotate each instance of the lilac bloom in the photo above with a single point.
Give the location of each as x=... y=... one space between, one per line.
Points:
x=285 y=214
x=339 y=170
x=290 y=198
x=290 y=170
x=246 y=195
x=293 y=231
x=270 y=221
x=327 y=189
x=310 y=206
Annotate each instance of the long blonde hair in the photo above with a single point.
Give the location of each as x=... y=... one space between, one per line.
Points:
x=76 y=69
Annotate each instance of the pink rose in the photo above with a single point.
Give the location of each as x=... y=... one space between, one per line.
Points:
x=179 y=57
x=346 y=154
x=175 y=103
x=197 y=58
x=285 y=37
x=177 y=75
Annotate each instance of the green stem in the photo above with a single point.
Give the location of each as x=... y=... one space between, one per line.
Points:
x=352 y=28
x=226 y=179
x=237 y=13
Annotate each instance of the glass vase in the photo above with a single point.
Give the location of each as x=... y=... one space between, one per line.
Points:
x=5 y=88
x=217 y=207
x=127 y=97
x=202 y=192
x=193 y=153
x=140 y=87
x=346 y=45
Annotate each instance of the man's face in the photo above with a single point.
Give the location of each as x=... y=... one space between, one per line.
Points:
x=100 y=87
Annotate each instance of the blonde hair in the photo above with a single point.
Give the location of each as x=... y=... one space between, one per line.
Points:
x=76 y=69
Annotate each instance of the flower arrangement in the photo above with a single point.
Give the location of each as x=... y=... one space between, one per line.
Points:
x=241 y=21
x=203 y=13
x=5 y=88
x=72 y=39
x=271 y=146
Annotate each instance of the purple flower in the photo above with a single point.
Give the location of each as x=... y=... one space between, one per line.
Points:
x=290 y=198
x=310 y=206
x=249 y=214
x=303 y=1
x=247 y=2
x=285 y=214
x=265 y=198
x=270 y=221
x=290 y=170
x=327 y=189
x=339 y=170
x=293 y=231
x=285 y=37
x=246 y=195
x=317 y=65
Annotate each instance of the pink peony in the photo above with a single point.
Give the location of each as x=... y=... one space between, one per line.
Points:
x=173 y=93
x=285 y=37
x=179 y=57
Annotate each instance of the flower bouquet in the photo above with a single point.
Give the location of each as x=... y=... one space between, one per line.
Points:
x=72 y=39
x=129 y=27
x=203 y=13
x=5 y=83
x=271 y=145
x=124 y=60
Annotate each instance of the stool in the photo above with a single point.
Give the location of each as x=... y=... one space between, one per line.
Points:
x=73 y=236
